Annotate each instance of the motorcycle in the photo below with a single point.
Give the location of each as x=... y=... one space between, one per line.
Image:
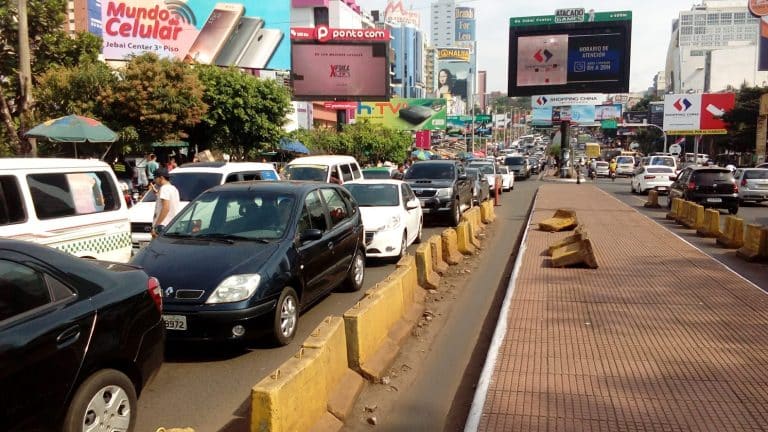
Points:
x=592 y=174
x=613 y=175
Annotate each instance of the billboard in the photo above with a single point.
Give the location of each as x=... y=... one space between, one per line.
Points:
x=567 y=99
x=608 y=112
x=583 y=114
x=340 y=63
x=245 y=33
x=397 y=14
x=636 y=117
x=570 y=53
x=697 y=114
x=541 y=116
x=454 y=70
x=405 y=114
x=464 y=24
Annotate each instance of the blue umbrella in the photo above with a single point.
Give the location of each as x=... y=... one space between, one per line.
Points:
x=293 y=146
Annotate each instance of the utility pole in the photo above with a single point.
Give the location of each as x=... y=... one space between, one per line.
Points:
x=27 y=146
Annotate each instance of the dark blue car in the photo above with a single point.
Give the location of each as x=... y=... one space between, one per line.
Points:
x=245 y=258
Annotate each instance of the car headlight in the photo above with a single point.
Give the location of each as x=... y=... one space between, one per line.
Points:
x=445 y=192
x=235 y=288
x=393 y=223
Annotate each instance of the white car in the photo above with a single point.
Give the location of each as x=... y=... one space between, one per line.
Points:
x=489 y=169
x=753 y=184
x=392 y=216
x=625 y=165
x=658 y=177
x=507 y=178
x=191 y=180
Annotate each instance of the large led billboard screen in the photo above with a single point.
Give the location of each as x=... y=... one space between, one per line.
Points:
x=331 y=64
x=246 y=33
x=550 y=55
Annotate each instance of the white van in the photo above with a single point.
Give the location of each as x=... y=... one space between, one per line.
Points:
x=191 y=180
x=70 y=204
x=320 y=168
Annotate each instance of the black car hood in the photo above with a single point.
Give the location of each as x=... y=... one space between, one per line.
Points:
x=428 y=183
x=201 y=265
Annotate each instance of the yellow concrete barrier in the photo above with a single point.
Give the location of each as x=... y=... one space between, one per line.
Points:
x=578 y=235
x=369 y=349
x=450 y=242
x=711 y=225
x=675 y=209
x=406 y=271
x=562 y=220
x=298 y=386
x=653 y=200
x=695 y=217
x=438 y=263
x=733 y=234
x=682 y=215
x=412 y=302
x=464 y=242
x=474 y=232
x=755 y=243
x=473 y=217
x=486 y=212
x=575 y=254
x=428 y=278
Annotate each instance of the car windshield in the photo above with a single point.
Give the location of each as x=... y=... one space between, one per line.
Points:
x=514 y=161
x=712 y=176
x=374 y=195
x=189 y=184
x=235 y=214
x=625 y=160
x=503 y=170
x=376 y=174
x=601 y=164
x=434 y=171
x=483 y=168
x=670 y=162
x=306 y=172
x=472 y=173
x=756 y=174
x=659 y=170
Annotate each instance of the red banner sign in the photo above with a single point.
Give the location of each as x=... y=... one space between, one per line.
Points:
x=340 y=105
x=326 y=34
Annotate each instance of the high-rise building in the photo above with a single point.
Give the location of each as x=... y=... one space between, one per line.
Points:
x=481 y=88
x=713 y=46
x=443 y=23
x=408 y=45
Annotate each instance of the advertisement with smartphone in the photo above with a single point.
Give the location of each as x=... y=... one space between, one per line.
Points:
x=246 y=33
x=405 y=114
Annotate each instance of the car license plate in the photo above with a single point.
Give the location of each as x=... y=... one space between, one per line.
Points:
x=714 y=200
x=175 y=322
x=661 y=188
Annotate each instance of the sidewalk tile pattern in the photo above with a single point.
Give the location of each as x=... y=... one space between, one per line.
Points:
x=659 y=338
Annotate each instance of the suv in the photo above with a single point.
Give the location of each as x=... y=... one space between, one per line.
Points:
x=323 y=169
x=191 y=180
x=709 y=186
x=442 y=186
x=519 y=166
x=489 y=170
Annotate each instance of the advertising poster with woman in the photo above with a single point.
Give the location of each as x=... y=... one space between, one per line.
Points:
x=453 y=76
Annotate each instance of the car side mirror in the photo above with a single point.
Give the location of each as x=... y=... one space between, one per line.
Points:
x=413 y=204
x=463 y=177
x=159 y=229
x=310 y=235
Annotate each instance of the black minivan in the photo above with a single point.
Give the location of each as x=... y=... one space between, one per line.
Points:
x=712 y=187
x=243 y=259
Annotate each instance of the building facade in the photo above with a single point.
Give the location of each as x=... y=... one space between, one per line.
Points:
x=443 y=22
x=713 y=47
x=408 y=46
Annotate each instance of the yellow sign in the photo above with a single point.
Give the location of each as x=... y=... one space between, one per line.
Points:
x=699 y=132
x=453 y=54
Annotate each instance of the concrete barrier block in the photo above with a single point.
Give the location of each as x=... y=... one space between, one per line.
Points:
x=682 y=215
x=428 y=278
x=369 y=349
x=473 y=236
x=562 y=220
x=575 y=254
x=328 y=423
x=466 y=246
x=675 y=209
x=653 y=200
x=733 y=234
x=410 y=278
x=578 y=235
x=755 y=243
x=436 y=244
x=711 y=225
x=299 y=386
x=449 y=240
x=485 y=213
x=391 y=292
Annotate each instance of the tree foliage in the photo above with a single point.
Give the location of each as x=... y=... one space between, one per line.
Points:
x=74 y=90
x=161 y=98
x=742 y=120
x=244 y=112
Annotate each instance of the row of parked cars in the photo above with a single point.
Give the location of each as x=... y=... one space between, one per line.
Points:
x=270 y=249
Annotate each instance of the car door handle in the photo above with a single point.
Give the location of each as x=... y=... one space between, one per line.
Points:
x=330 y=245
x=68 y=336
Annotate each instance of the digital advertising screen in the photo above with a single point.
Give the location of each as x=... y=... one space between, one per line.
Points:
x=248 y=33
x=549 y=56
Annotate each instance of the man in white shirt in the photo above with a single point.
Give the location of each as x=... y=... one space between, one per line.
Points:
x=167 y=201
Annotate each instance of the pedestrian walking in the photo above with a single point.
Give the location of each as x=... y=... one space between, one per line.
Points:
x=152 y=166
x=167 y=204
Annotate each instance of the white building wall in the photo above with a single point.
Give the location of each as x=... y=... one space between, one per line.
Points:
x=341 y=16
x=442 y=18
x=735 y=66
x=302 y=17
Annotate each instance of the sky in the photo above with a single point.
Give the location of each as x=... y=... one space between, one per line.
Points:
x=651 y=30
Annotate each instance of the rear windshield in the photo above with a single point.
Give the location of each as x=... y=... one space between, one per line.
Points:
x=436 y=171
x=659 y=170
x=602 y=164
x=756 y=174
x=376 y=174
x=625 y=160
x=514 y=161
x=670 y=162
x=189 y=184
x=713 y=176
x=306 y=172
x=483 y=167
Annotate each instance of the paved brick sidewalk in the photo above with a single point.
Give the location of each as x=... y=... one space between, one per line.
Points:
x=660 y=337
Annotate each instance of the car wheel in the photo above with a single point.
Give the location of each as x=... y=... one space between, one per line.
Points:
x=418 y=235
x=733 y=210
x=632 y=187
x=286 y=317
x=356 y=275
x=456 y=212
x=106 y=400
x=403 y=247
